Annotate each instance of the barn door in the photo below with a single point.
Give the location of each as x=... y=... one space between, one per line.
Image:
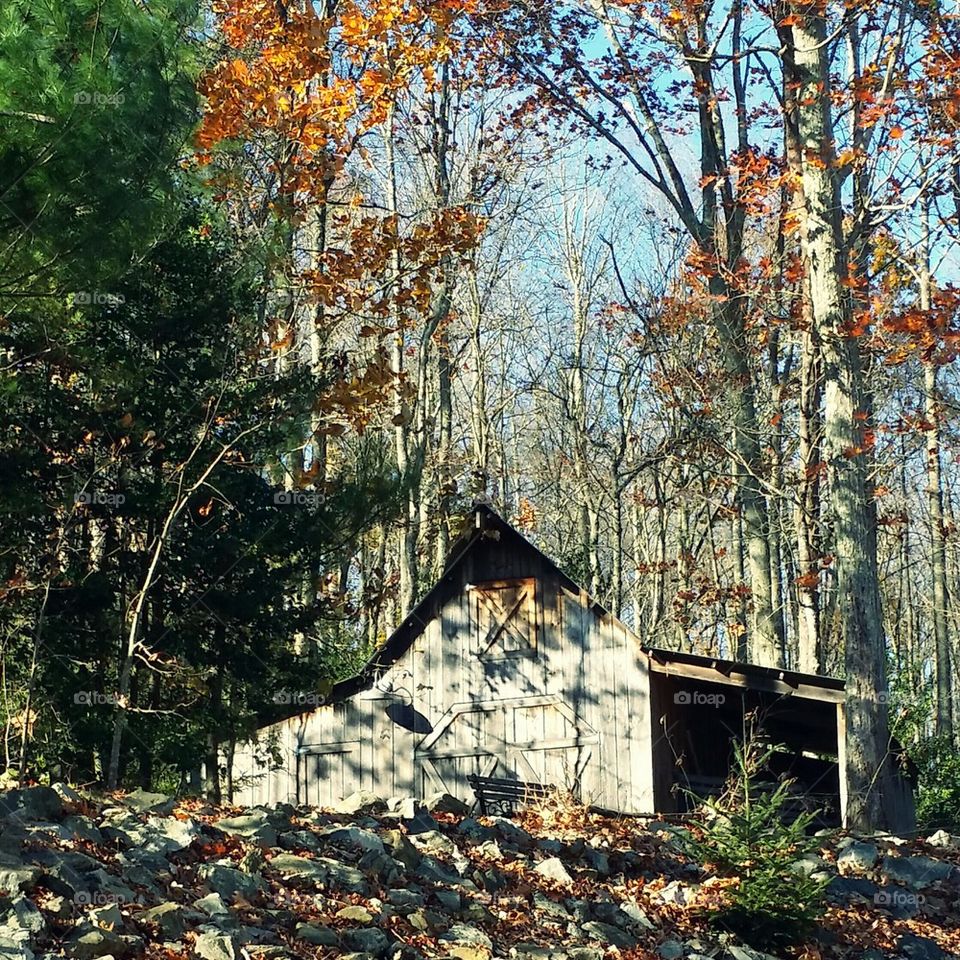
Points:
x=449 y=774
x=535 y=739
x=327 y=772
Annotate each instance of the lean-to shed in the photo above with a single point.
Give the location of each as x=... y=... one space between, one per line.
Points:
x=507 y=668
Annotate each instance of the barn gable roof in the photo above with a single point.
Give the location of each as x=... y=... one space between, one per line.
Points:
x=484 y=522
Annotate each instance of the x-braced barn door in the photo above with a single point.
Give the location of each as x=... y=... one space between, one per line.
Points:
x=537 y=739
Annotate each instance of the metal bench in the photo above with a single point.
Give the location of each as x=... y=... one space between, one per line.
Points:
x=502 y=796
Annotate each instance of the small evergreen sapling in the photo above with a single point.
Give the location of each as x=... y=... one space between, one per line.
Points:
x=747 y=835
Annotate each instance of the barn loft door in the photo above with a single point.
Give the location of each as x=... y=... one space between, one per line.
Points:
x=506 y=618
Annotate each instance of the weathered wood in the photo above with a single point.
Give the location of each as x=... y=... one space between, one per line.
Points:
x=585 y=707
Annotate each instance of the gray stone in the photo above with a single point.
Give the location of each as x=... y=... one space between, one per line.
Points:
x=107 y=917
x=25 y=916
x=745 y=953
x=32 y=803
x=916 y=872
x=89 y=943
x=355 y=914
x=142 y=801
x=402 y=849
x=609 y=934
x=582 y=910
x=352 y=836
x=213 y=906
x=317 y=935
x=920 y=948
x=635 y=914
x=366 y=939
x=67 y=794
x=146 y=875
x=899 y=902
x=445 y=803
x=537 y=952
x=300 y=840
x=216 y=946
x=449 y=900
x=11 y=950
x=677 y=892
x=405 y=898
x=584 y=953
x=228 y=881
x=433 y=842
x=110 y=887
x=858 y=857
x=843 y=889
x=553 y=869
x=422 y=822
x=290 y=866
x=512 y=834
x=155 y=836
x=361 y=802
x=82 y=828
x=465 y=933
x=490 y=849
x=474 y=830
x=492 y=880
x=942 y=839
x=47 y=832
x=468 y=951
x=58 y=907
x=433 y=871
x=543 y=904
x=16 y=875
x=169 y=918
x=387 y=870
x=255 y=825
x=550 y=846
x=671 y=950
x=808 y=865
x=343 y=876
x=608 y=911
x=598 y=861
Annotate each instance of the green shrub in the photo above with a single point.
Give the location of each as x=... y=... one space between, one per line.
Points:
x=745 y=834
x=938 y=786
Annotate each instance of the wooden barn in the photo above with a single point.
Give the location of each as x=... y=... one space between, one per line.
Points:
x=507 y=669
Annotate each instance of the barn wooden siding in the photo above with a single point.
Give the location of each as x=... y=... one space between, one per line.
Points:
x=514 y=673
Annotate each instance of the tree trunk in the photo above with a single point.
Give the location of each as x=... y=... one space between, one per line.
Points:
x=870 y=793
x=809 y=647
x=765 y=641
x=938 y=547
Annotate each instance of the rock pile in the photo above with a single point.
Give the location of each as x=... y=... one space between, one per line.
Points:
x=144 y=876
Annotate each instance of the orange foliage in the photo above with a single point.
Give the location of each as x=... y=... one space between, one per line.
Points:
x=302 y=93
x=932 y=335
